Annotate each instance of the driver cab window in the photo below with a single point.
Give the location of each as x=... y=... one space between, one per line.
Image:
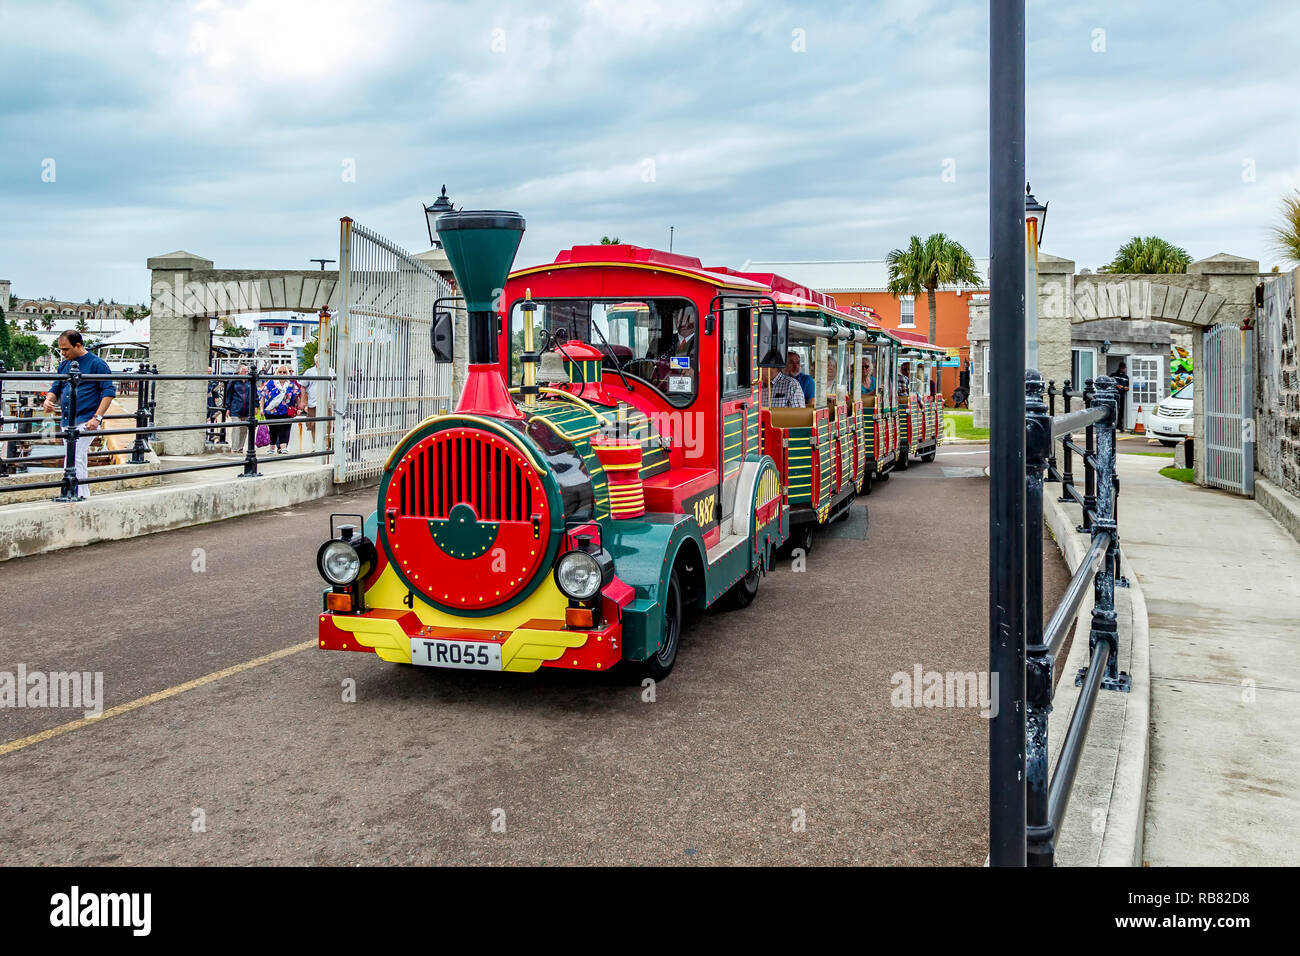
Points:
x=655 y=340
x=735 y=349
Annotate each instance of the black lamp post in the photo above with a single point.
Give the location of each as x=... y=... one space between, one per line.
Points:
x=1036 y=212
x=433 y=213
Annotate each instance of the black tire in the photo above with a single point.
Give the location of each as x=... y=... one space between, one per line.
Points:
x=660 y=664
x=902 y=464
x=744 y=591
x=1167 y=443
x=929 y=455
x=803 y=537
x=867 y=482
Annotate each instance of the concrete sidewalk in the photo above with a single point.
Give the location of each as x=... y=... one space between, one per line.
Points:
x=177 y=501
x=1222 y=584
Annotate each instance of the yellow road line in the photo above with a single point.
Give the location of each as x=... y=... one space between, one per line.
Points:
x=139 y=702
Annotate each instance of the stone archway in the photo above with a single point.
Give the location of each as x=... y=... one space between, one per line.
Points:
x=1214 y=291
x=185 y=293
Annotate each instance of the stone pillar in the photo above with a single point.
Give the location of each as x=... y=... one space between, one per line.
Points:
x=1233 y=278
x=1055 y=318
x=178 y=345
x=978 y=336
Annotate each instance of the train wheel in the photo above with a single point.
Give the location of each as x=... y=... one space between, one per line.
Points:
x=744 y=591
x=902 y=463
x=660 y=664
x=929 y=455
x=867 y=481
x=803 y=537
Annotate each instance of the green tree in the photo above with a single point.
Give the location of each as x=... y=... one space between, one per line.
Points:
x=82 y=326
x=47 y=322
x=925 y=265
x=5 y=343
x=308 y=357
x=608 y=241
x=30 y=324
x=1147 y=256
x=230 y=327
x=26 y=350
x=1286 y=235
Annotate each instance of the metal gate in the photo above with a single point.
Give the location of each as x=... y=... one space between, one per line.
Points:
x=1226 y=383
x=379 y=349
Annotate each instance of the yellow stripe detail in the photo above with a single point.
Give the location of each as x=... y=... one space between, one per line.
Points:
x=15 y=745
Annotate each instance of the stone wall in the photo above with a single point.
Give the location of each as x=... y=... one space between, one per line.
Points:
x=1277 y=384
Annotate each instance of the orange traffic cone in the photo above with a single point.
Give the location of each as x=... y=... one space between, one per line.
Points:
x=1138 y=427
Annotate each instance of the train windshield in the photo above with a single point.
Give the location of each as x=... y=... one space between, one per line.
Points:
x=655 y=340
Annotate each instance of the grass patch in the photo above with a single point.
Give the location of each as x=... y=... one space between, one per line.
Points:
x=1179 y=474
x=1150 y=454
x=962 y=426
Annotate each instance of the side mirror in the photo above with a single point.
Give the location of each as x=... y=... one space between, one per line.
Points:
x=441 y=335
x=773 y=338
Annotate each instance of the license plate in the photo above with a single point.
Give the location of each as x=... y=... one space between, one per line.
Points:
x=469 y=655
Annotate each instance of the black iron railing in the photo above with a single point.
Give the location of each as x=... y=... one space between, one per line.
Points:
x=144 y=428
x=1046 y=798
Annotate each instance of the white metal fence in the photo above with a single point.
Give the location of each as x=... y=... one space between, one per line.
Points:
x=1228 y=389
x=378 y=347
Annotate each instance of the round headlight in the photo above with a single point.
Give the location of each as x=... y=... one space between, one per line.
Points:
x=339 y=562
x=578 y=575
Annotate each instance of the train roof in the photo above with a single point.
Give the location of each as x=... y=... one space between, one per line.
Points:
x=641 y=257
x=915 y=341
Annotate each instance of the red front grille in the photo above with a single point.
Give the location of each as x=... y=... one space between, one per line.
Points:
x=456 y=561
x=457 y=467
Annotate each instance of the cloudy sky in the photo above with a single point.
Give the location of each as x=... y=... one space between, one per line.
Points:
x=241 y=130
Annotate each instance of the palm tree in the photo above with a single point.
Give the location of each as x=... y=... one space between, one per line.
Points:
x=607 y=241
x=1147 y=256
x=30 y=324
x=924 y=266
x=82 y=326
x=1286 y=237
x=47 y=322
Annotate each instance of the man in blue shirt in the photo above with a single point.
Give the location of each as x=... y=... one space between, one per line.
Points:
x=93 y=398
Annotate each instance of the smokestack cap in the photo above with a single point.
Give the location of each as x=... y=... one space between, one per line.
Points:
x=480 y=219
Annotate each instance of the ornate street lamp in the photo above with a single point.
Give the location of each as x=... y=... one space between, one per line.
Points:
x=433 y=213
x=1035 y=213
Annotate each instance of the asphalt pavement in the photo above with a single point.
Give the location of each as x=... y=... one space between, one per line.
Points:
x=236 y=741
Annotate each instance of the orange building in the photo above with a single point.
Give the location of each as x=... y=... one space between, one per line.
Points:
x=862 y=282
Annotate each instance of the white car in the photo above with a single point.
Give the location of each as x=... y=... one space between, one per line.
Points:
x=1171 y=421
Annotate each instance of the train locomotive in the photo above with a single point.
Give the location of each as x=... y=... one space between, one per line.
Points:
x=611 y=461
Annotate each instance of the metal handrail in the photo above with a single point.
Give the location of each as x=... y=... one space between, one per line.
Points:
x=1047 y=795
x=146 y=405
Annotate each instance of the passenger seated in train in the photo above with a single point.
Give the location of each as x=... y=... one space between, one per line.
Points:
x=868 y=377
x=805 y=380
x=904 y=376
x=780 y=390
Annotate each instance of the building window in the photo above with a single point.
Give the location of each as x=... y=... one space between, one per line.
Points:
x=1083 y=366
x=907 y=313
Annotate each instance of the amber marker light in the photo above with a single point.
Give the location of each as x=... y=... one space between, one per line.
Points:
x=339 y=602
x=577 y=617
